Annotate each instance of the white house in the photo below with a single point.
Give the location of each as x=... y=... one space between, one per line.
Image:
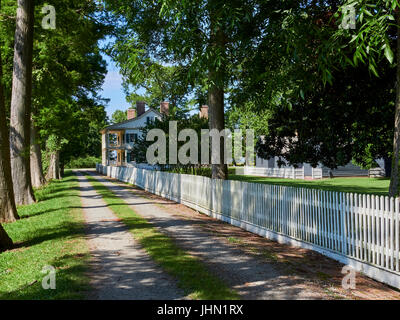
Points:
x=306 y=171
x=118 y=139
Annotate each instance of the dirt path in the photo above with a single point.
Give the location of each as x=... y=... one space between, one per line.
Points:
x=120 y=269
x=251 y=277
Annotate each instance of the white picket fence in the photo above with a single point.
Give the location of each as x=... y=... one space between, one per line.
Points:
x=358 y=230
x=291 y=173
x=316 y=173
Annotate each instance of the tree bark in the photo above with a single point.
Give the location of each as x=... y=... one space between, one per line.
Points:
x=216 y=91
x=394 y=177
x=5 y=241
x=387 y=166
x=61 y=170
x=217 y=121
x=21 y=104
x=8 y=211
x=53 y=171
x=37 y=175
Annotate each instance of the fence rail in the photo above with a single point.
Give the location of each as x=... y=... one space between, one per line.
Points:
x=290 y=173
x=359 y=230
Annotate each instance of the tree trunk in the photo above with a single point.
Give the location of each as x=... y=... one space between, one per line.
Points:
x=61 y=170
x=394 y=178
x=217 y=121
x=8 y=211
x=21 y=104
x=216 y=76
x=387 y=166
x=5 y=240
x=37 y=175
x=53 y=171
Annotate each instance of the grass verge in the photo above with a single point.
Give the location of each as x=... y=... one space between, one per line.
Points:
x=191 y=274
x=378 y=186
x=49 y=233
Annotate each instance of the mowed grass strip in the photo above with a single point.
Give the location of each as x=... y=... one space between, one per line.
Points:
x=377 y=186
x=191 y=274
x=49 y=233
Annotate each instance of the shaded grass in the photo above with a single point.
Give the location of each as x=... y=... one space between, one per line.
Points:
x=50 y=232
x=191 y=274
x=378 y=186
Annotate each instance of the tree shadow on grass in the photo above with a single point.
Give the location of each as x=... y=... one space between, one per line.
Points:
x=71 y=281
x=68 y=231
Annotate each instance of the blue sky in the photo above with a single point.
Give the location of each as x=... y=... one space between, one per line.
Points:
x=112 y=88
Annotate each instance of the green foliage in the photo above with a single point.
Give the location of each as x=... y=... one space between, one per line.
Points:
x=350 y=119
x=68 y=70
x=204 y=171
x=372 y=40
x=161 y=83
x=55 y=143
x=172 y=49
x=118 y=116
x=300 y=87
x=83 y=162
x=193 y=122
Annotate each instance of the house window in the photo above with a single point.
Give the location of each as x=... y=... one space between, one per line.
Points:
x=149 y=120
x=129 y=156
x=131 y=137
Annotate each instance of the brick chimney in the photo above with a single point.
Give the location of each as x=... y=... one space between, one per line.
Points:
x=140 y=106
x=131 y=114
x=164 y=108
x=204 y=112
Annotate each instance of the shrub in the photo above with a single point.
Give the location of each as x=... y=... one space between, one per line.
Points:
x=204 y=171
x=83 y=162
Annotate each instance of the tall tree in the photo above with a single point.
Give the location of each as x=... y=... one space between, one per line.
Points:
x=373 y=36
x=8 y=211
x=217 y=79
x=37 y=175
x=202 y=37
x=21 y=104
x=68 y=70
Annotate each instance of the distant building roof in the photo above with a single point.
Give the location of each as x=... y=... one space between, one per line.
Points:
x=130 y=121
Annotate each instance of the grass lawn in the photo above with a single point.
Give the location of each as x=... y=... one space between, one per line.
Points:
x=49 y=232
x=379 y=186
x=191 y=274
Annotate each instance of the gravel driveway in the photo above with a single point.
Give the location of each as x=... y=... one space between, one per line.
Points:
x=120 y=268
x=252 y=278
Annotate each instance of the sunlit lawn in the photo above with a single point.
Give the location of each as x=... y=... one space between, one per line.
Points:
x=49 y=233
x=377 y=186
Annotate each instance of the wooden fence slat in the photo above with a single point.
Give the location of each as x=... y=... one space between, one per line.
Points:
x=382 y=234
x=391 y=228
x=397 y=226
x=386 y=216
x=352 y=228
x=357 y=228
x=314 y=217
x=364 y=216
x=369 y=241
x=374 y=231
x=343 y=224
x=320 y=220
